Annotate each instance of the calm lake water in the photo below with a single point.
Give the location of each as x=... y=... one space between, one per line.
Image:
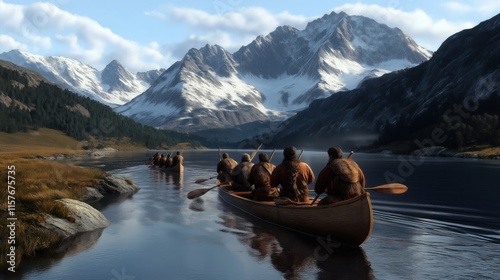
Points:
x=446 y=226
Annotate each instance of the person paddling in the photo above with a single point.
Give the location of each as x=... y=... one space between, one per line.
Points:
x=293 y=175
x=341 y=178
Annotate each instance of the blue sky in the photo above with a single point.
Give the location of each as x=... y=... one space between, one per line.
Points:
x=152 y=34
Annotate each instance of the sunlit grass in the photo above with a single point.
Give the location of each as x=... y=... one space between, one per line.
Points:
x=44 y=142
x=38 y=184
x=484 y=151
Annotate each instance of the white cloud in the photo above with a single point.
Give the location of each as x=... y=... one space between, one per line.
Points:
x=457 y=7
x=43 y=28
x=487 y=8
x=417 y=24
x=230 y=30
x=11 y=44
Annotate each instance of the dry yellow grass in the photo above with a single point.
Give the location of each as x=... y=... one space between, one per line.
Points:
x=44 y=142
x=38 y=183
x=485 y=152
x=122 y=144
x=48 y=142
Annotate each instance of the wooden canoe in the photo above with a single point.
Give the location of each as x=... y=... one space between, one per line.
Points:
x=348 y=222
x=179 y=168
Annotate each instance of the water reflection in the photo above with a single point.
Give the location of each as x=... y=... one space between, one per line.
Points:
x=175 y=179
x=294 y=255
x=73 y=245
x=445 y=226
x=197 y=205
x=166 y=177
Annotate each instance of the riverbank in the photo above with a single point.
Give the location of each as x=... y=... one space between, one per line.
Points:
x=44 y=200
x=404 y=148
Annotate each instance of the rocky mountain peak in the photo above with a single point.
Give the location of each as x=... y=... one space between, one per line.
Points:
x=210 y=58
x=114 y=74
x=272 y=76
x=408 y=104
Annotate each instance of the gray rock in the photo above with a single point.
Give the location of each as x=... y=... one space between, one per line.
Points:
x=117 y=184
x=92 y=195
x=86 y=218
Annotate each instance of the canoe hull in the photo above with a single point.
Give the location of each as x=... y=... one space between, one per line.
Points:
x=179 y=168
x=348 y=222
x=175 y=169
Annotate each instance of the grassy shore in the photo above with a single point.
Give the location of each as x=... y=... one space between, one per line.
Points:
x=405 y=147
x=483 y=152
x=38 y=184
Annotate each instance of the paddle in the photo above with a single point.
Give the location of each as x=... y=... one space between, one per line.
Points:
x=272 y=155
x=199 y=192
x=317 y=196
x=392 y=188
x=199 y=181
x=255 y=152
x=300 y=155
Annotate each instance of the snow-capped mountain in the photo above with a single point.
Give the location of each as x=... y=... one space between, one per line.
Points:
x=434 y=103
x=274 y=75
x=112 y=86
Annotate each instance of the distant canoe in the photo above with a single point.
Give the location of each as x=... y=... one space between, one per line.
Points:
x=348 y=222
x=179 y=168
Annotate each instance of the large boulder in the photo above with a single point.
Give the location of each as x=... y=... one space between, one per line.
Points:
x=114 y=184
x=85 y=218
x=92 y=194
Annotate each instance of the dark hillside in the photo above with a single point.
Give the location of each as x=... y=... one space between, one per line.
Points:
x=25 y=104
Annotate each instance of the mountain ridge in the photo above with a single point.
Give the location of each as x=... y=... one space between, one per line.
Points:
x=455 y=93
x=273 y=76
x=113 y=86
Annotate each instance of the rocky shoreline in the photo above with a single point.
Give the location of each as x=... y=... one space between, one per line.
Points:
x=94 y=153
x=440 y=151
x=84 y=218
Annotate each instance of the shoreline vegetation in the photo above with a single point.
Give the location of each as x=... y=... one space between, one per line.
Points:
x=404 y=148
x=46 y=187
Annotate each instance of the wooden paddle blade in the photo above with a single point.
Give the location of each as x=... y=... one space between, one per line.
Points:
x=203 y=180
x=198 y=192
x=393 y=188
x=200 y=181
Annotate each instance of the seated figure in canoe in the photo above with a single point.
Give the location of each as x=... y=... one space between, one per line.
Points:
x=224 y=168
x=294 y=176
x=155 y=160
x=240 y=174
x=162 y=161
x=168 y=161
x=341 y=178
x=178 y=159
x=260 y=177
